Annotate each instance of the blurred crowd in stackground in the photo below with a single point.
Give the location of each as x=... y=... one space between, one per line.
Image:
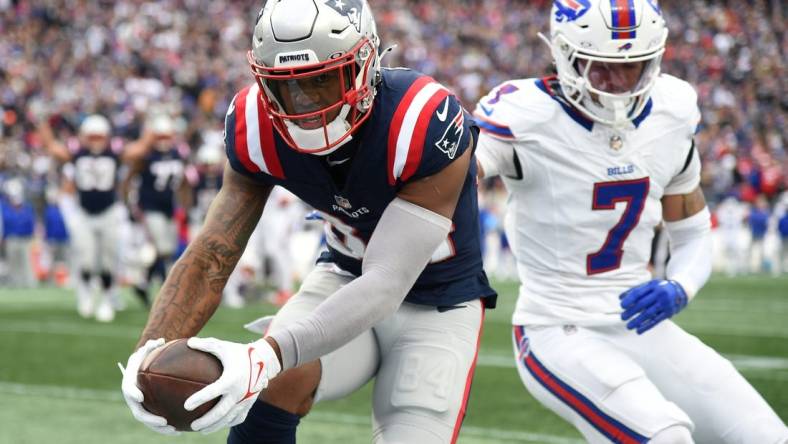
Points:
x=61 y=60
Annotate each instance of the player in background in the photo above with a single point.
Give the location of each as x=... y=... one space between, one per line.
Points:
x=386 y=157
x=269 y=250
x=732 y=217
x=593 y=160
x=208 y=168
x=17 y=220
x=157 y=165
x=94 y=168
x=758 y=223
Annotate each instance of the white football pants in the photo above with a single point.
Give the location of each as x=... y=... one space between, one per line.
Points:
x=422 y=361
x=617 y=386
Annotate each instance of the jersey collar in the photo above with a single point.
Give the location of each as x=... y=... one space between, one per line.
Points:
x=544 y=84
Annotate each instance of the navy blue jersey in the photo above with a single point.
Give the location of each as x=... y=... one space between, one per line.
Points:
x=96 y=177
x=416 y=129
x=205 y=191
x=161 y=178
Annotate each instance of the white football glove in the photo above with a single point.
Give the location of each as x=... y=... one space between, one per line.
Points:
x=133 y=395
x=247 y=370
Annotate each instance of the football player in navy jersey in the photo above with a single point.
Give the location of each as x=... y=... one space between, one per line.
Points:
x=157 y=164
x=94 y=168
x=386 y=157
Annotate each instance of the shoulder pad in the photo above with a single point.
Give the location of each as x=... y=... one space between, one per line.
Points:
x=428 y=130
x=677 y=100
x=512 y=108
x=249 y=135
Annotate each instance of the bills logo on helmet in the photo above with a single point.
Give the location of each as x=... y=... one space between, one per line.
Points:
x=450 y=140
x=350 y=9
x=570 y=10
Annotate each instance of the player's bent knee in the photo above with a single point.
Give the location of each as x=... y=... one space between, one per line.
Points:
x=676 y=434
x=294 y=389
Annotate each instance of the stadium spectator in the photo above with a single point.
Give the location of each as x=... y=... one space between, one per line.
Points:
x=71 y=59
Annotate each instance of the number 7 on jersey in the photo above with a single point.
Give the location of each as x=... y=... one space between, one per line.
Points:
x=606 y=196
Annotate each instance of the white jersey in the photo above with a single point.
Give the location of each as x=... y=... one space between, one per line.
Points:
x=584 y=199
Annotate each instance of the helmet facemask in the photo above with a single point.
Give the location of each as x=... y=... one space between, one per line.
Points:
x=317 y=107
x=609 y=89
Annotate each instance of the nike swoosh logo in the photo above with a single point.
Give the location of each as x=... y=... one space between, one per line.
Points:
x=442 y=114
x=337 y=162
x=445 y=308
x=486 y=111
x=249 y=384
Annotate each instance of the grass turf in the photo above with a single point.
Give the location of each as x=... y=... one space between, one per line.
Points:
x=59 y=381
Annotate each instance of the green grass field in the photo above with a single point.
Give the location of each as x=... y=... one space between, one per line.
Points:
x=59 y=381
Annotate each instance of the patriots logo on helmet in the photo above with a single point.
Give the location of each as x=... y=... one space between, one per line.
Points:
x=450 y=140
x=350 y=9
x=570 y=10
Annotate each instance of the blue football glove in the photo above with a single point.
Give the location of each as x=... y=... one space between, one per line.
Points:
x=652 y=302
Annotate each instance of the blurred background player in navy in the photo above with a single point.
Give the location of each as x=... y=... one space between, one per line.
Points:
x=94 y=168
x=156 y=187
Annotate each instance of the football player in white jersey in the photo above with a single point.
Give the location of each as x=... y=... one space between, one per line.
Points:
x=594 y=159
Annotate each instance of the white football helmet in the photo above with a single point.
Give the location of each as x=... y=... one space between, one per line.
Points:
x=162 y=126
x=95 y=125
x=94 y=132
x=318 y=64
x=607 y=54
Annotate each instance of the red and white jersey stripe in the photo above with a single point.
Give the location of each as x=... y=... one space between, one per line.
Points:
x=409 y=124
x=254 y=137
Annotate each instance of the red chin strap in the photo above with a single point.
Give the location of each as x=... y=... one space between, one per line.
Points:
x=347 y=66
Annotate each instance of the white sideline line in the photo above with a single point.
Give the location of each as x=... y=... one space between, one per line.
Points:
x=82 y=394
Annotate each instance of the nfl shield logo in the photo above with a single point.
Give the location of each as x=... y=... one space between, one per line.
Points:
x=342 y=202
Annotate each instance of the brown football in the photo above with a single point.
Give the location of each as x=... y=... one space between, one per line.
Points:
x=172 y=373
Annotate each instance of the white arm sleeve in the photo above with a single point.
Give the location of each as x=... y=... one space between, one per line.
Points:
x=400 y=247
x=690 y=251
x=496 y=157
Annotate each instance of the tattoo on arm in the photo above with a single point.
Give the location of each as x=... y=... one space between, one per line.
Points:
x=193 y=288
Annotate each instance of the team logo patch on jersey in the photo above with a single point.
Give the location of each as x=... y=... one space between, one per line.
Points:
x=570 y=10
x=450 y=141
x=350 y=9
x=343 y=202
